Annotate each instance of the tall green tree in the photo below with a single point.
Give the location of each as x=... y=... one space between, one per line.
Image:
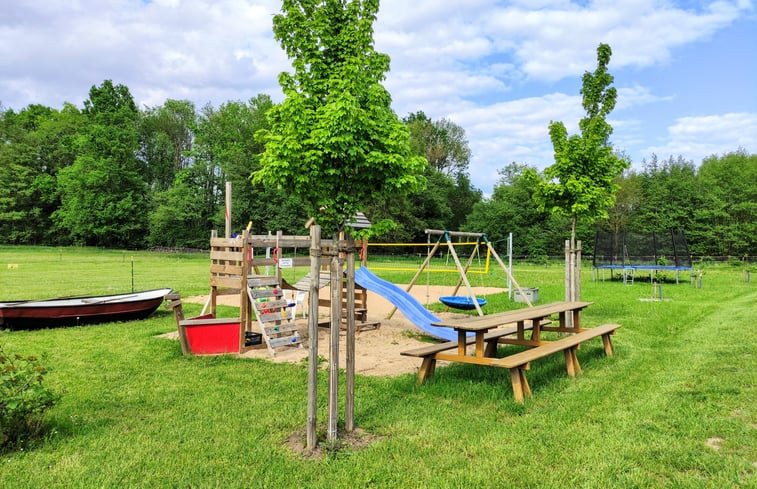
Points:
x=726 y=219
x=511 y=209
x=335 y=141
x=165 y=136
x=670 y=194
x=36 y=143
x=103 y=194
x=580 y=183
x=442 y=142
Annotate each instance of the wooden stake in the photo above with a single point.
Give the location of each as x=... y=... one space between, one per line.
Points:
x=349 y=415
x=315 y=261
x=335 y=327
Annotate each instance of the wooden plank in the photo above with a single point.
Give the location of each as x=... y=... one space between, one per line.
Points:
x=226 y=269
x=530 y=313
x=226 y=243
x=548 y=348
x=282 y=316
x=274 y=304
x=423 y=351
x=262 y=281
x=233 y=256
x=284 y=341
x=227 y=291
x=281 y=329
x=283 y=242
x=226 y=282
x=263 y=293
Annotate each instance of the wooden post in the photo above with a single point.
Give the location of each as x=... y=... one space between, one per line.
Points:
x=227 y=234
x=335 y=327
x=349 y=415
x=463 y=276
x=507 y=272
x=417 y=274
x=577 y=275
x=315 y=265
x=568 y=280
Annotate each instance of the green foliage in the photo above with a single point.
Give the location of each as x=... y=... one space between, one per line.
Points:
x=23 y=398
x=443 y=143
x=511 y=209
x=103 y=193
x=37 y=143
x=580 y=184
x=334 y=142
x=165 y=135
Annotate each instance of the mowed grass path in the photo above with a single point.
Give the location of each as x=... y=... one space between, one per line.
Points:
x=675 y=407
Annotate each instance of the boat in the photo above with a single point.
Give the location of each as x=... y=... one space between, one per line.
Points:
x=71 y=311
x=461 y=302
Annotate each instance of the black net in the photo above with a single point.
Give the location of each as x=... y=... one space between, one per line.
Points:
x=641 y=249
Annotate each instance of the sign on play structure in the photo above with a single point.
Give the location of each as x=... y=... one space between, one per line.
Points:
x=285 y=263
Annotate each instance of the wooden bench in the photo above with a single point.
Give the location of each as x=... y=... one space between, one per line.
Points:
x=428 y=353
x=518 y=363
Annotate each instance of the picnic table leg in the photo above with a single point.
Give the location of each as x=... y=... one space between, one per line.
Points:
x=569 y=366
x=574 y=357
x=461 y=339
x=491 y=348
x=480 y=344
x=515 y=377
x=427 y=369
x=524 y=383
x=607 y=342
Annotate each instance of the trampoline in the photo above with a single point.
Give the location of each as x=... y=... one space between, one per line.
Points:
x=629 y=252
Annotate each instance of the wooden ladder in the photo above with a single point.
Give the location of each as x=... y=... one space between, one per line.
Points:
x=273 y=314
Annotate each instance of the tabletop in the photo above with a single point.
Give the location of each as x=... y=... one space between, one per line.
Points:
x=490 y=321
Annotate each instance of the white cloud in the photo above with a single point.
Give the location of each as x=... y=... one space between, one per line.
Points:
x=701 y=136
x=488 y=65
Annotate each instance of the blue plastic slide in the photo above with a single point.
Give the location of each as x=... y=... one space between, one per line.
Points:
x=408 y=306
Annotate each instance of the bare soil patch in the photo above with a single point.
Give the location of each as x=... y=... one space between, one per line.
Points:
x=377 y=351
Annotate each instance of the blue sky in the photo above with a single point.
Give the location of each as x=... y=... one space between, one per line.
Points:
x=686 y=72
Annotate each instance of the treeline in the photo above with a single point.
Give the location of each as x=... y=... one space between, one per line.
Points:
x=715 y=204
x=115 y=175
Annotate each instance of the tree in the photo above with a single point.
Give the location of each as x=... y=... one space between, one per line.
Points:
x=726 y=220
x=580 y=184
x=511 y=209
x=166 y=134
x=36 y=144
x=103 y=194
x=335 y=140
x=443 y=143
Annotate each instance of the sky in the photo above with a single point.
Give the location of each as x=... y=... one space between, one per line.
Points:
x=685 y=71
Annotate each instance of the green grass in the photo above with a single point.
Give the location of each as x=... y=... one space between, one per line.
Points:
x=135 y=413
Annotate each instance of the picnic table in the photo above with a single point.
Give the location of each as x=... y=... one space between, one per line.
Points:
x=510 y=327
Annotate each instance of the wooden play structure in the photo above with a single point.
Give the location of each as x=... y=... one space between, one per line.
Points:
x=445 y=237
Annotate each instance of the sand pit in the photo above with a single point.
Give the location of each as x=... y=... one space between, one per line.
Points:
x=377 y=351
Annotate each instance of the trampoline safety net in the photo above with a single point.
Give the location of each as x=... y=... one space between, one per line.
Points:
x=649 y=250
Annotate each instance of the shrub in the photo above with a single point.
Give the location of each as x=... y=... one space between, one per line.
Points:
x=23 y=398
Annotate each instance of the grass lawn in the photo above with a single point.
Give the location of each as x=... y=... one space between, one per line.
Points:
x=675 y=407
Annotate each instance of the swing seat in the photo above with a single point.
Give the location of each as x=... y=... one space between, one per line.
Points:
x=461 y=302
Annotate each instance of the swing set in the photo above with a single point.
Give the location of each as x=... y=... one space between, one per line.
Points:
x=469 y=301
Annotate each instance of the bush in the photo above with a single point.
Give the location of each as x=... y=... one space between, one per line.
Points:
x=23 y=398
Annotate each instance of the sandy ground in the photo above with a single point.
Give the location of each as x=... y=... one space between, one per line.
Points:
x=377 y=351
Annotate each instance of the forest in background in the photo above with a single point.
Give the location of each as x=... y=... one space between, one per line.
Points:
x=112 y=174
